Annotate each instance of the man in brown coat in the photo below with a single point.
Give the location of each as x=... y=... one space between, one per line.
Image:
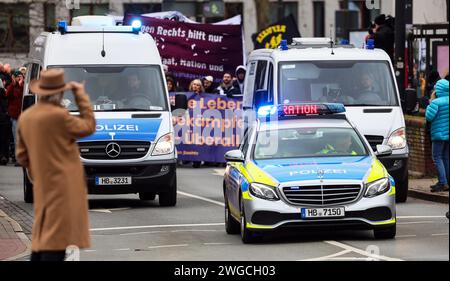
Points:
x=47 y=147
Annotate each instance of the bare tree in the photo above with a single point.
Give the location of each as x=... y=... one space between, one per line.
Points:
x=262 y=13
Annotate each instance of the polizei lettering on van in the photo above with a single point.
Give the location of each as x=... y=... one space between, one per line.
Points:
x=117 y=127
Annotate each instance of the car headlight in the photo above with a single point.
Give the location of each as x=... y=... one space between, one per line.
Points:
x=377 y=187
x=165 y=145
x=398 y=139
x=263 y=191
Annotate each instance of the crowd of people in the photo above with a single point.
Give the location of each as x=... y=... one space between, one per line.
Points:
x=231 y=85
x=11 y=92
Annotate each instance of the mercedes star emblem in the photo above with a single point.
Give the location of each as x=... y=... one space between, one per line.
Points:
x=113 y=150
x=320 y=174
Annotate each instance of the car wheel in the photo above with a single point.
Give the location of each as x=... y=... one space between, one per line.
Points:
x=385 y=233
x=231 y=225
x=147 y=196
x=169 y=198
x=197 y=164
x=247 y=235
x=27 y=188
x=401 y=187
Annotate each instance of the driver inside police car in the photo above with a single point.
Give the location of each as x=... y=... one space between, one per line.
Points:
x=341 y=144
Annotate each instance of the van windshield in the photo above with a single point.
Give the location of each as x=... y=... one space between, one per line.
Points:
x=118 y=88
x=348 y=82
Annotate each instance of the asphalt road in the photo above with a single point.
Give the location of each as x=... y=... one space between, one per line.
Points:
x=125 y=228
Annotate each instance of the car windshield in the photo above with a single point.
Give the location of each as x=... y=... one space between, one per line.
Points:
x=118 y=88
x=350 y=83
x=308 y=142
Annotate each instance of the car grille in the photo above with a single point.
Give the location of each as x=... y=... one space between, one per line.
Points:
x=128 y=150
x=374 y=141
x=325 y=195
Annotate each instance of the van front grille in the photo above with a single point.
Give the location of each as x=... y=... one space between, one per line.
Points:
x=374 y=141
x=110 y=150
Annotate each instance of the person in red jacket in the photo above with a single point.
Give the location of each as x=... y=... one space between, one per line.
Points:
x=14 y=94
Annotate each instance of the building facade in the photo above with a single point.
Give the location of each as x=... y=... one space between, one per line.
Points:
x=21 y=21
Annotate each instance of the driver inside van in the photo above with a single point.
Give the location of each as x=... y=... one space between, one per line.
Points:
x=136 y=95
x=367 y=92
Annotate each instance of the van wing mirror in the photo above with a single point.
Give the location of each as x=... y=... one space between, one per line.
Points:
x=234 y=156
x=383 y=150
x=181 y=102
x=261 y=98
x=28 y=101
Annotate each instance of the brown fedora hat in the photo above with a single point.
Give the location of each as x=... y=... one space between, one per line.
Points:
x=50 y=82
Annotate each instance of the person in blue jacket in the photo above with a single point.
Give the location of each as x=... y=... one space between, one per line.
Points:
x=437 y=114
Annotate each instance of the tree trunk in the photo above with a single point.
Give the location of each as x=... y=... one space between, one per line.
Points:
x=262 y=13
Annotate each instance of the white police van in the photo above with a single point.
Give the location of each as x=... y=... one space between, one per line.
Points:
x=315 y=70
x=133 y=149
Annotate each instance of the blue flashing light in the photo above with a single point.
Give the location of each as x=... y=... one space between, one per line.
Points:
x=345 y=42
x=267 y=110
x=370 y=44
x=62 y=27
x=284 y=45
x=136 y=25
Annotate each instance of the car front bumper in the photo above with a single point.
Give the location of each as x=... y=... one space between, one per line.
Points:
x=365 y=213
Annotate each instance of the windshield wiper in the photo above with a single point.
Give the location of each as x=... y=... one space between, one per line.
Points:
x=123 y=110
x=362 y=104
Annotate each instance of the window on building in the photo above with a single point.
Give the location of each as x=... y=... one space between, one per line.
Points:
x=366 y=16
x=90 y=9
x=138 y=9
x=192 y=10
x=289 y=8
x=14 y=28
x=319 y=19
x=234 y=9
x=49 y=17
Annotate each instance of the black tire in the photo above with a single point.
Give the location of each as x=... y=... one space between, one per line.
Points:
x=401 y=187
x=247 y=235
x=147 y=196
x=169 y=198
x=197 y=164
x=385 y=233
x=27 y=188
x=231 y=225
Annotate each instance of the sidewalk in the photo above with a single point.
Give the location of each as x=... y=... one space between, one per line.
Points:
x=420 y=189
x=14 y=242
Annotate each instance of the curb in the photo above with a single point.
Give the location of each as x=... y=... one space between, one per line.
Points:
x=437 y=198
x=23 y=238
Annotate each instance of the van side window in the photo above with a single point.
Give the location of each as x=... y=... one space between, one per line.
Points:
x=270 y=84
x=249 y=84
x=264 y=80
x=260 y=78
x=34 y=70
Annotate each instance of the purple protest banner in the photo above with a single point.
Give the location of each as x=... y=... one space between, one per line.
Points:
x=193 y=50
x=212 y=126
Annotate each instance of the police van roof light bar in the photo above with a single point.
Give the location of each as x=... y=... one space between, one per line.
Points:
x=63 y=28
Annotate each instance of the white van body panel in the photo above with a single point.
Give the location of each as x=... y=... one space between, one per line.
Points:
x=368 y=124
